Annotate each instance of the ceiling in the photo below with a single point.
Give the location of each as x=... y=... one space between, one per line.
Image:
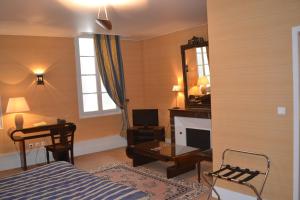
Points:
x=133 y=19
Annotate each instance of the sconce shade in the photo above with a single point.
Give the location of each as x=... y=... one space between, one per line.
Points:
x=176 y=88
x=17 y=105
x=202 y=81
x=40 y=79
x=104 y=23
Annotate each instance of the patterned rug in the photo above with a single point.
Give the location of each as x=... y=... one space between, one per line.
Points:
x=157 y=186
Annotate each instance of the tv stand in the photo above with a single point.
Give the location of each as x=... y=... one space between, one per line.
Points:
x=146 y=127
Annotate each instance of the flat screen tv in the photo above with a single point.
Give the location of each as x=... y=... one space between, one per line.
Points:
x=145 y=117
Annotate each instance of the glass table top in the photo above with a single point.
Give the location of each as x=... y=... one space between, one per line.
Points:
x=165 y=149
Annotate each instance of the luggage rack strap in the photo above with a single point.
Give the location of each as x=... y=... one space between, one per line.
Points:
x=227 y=171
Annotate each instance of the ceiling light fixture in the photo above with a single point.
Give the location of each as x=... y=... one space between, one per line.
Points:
x=104 y=23
x=91 y=4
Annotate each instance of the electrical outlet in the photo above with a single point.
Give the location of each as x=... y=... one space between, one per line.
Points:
x=30 y=146
x=281 y=110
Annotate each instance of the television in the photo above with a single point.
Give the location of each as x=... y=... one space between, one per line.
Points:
x=145 y=117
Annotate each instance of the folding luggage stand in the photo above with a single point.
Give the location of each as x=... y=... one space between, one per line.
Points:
x=238 y=175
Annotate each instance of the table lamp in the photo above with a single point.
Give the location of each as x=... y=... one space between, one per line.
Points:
x=202 y=83
x=176 y=89
x=17 y=105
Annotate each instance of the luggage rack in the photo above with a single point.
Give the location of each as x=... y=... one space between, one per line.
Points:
x=238 y=175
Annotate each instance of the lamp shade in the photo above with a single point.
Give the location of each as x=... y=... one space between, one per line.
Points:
x=202 y=81
x=176 y=88
x=104 y=23
x=17 y=104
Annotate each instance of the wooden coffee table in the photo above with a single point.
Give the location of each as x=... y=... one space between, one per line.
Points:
x=184 y=157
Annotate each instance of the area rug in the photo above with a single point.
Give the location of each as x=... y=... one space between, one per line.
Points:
x=157 y=186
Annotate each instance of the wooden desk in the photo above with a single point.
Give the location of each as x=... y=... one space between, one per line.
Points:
x=33 y=133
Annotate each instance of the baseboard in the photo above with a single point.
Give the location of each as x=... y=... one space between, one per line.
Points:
x=231 y=195
x=99 y=144
x=37 y=156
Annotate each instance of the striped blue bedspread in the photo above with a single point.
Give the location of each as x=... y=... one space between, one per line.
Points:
x=60 y=180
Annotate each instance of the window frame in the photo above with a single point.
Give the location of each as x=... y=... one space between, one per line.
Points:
x=202 y=66
x=100 y=112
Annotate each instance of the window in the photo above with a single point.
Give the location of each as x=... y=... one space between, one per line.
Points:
x=92 y=95
x=202 y=62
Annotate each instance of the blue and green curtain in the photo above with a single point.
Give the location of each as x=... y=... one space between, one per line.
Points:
x=110 y=65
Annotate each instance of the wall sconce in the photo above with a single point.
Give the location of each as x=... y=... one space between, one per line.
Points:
x=40 y=79
x=39 y=72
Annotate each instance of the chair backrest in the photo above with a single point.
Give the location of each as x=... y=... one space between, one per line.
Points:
x=63 y=135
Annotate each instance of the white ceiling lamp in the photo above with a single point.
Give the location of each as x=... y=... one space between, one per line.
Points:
x=104 y=22
x=91 y=4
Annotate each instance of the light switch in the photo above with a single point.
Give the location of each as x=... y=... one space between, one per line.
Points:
x=281 y=110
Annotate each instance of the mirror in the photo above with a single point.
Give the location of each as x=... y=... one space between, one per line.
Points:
x=196 y=73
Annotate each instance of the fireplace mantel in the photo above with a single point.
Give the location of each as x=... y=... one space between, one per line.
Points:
x=204 y=113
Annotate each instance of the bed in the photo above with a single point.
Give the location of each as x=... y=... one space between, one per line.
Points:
x=61 y=180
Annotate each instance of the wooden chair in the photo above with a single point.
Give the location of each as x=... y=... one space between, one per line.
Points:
x=62 y=137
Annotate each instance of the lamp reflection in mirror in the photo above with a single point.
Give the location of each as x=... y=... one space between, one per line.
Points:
x=176 y=89
x=202 y=83
x=17 y=105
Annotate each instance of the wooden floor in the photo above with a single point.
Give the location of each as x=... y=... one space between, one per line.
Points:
x=87 y=162
x=93 y=161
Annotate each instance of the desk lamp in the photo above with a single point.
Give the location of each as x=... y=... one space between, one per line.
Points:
x=17 y=105
x=176 y=89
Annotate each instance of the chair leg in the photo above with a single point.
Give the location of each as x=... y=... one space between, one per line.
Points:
x=199 y=171
x=47 y=155
x=72 y=156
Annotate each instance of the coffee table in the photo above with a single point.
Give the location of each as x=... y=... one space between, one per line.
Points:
x=184 y=157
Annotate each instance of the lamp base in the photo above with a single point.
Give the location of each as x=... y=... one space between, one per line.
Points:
x=19 y=121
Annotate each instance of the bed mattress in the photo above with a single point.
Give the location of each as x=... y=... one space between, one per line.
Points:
x=60 y=180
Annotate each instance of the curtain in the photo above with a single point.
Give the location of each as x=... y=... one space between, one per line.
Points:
x=110 y=66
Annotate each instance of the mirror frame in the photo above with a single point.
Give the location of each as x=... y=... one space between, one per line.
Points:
x=192 y=43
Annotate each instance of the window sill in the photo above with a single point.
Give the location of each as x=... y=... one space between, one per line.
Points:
x=99 y=114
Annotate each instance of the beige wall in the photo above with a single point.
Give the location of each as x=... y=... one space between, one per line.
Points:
x=132 y=54
x=250 y=57
x=151 y=68
x=19 y=56
x=163 y=69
